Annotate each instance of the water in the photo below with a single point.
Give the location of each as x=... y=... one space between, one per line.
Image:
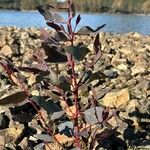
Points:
x=117 y=23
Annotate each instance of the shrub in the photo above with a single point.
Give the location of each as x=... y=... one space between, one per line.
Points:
x=71 y=119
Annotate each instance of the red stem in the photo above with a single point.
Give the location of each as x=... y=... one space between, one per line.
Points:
x=74 y=79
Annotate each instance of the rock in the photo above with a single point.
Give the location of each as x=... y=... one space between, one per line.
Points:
x=136 y=36
x=35 y=93
x=116 y=99
x=2 y=142
x=119 y=63
x=12 y=134
x=142 y=50
x=15 y=132
x=32 y=79
x=117 y=122
x=132 y=105
x=144 y=84
x=53 y=146
x=110 y=74
x=138 y=68
x=126 y=51
x=24 y=144
x=132 y=82
x=122 y=67
x=6 y=51
x=39 y=146
x=63 y=139
x=2 y=42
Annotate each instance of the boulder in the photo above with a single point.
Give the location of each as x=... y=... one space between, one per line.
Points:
x=117 y=99
x=2 y=42
x=6 y=51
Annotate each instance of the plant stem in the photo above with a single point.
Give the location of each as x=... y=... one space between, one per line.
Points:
x=74 y=78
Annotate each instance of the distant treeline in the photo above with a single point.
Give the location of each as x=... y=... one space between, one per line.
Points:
x=113 y=6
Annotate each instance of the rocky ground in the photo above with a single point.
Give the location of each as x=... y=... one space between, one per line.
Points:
x=125 y=62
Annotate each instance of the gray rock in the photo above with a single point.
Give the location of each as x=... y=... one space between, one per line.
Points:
x=110 y=74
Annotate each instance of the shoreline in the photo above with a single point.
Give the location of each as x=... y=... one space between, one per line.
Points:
x=48 y=28
x=83 y=12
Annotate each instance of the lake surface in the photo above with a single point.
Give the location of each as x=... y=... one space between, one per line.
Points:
x=117 y=23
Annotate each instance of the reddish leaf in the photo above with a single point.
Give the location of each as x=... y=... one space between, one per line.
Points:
x=14 y=98
x=8 y=66
x=95 y=76
x=18 y=80
x=59 y=19
x=95 y=60
x=61 y=36
x=64 y=83
x=45 y=12
x=78 y=19
x=105 y=134
x=97 y=44
x=97 y=57
x=49 y=16
x=78 y=52
x=86 y=30
x=47 y=38
x=53 y=55
x=35 y=68
x=72 y=6
x=54 y=26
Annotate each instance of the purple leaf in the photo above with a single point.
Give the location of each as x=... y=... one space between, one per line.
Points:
x=63 y=83
x=45 y=12
x=78 y=19
x=53 y=55
x=47 y=105
x=35 y=68
x=95 y=60
x=8 y=66
x=105 y=134
x=54 y=26
x=86 y=30
x=97 y=44
x=59 y=19
x=61 y=36
x=83 y=133
x=72 y=6
x=49 y=16
x=14 y=98
x=95 y=76
x=47 y=38
x=78 y=52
